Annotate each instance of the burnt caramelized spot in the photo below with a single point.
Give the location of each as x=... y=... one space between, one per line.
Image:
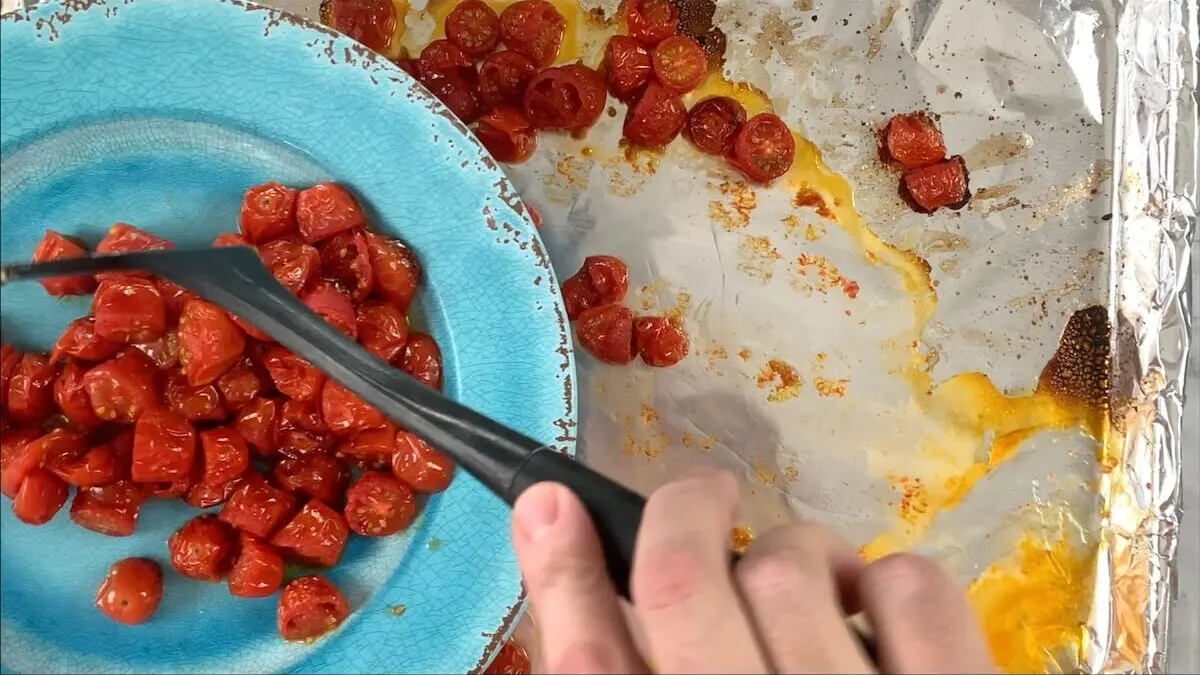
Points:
x=1079 y=370
x=696 y=22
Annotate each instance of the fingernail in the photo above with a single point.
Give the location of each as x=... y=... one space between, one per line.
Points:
x=536 y=511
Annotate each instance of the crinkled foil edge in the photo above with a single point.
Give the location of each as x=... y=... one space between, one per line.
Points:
x=1153 y=228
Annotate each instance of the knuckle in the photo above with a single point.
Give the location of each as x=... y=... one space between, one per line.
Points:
x=908 y=575
x=582 y=658
x=669 y=576
x=772 y=575
x=563 y=572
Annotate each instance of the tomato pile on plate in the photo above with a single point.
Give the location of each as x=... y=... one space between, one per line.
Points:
x=158 y=394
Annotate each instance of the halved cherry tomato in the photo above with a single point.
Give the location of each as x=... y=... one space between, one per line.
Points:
x=378 y=505
x=679 y=63
x=81 y=342
x=372 y=448
x=163 y=352
x=763 y=149
x=202 y=549
x=533 y=28
x=257 y=422
x=268 y=212
x=423 y=360
x=72 y=398
x=292 y=262
x=346 y=413
x=224 y=455
x=420 y=466
x=659 y=342
x=656 y=118
x=503 y=77
x=333 y=305
x=209 y=342
x=309 y=607
x=130 y=591
x=458 y=92
x=129 y=310
x=651 y=21
x=512 y=660
x=627 y=67
x=196 y=403
x=293 y=376
x=325 y=209
x=41 y=496
x=601 y=280
x=257 y=569
x=164 y=447
x=55 y=444
x=242 y=383
x=566 y=97
x=109 y=509
x=258 y=507
x=304 y=415
x=55 y=246
x=346 y=259
x=320 y=477
x=713 y=123
x=14 y=439
x=409 y=66
x=912 y=141
x=507 y=134
x=125 y=238
x=174 y=297
x=31 y=389
x=474 y=27
x=443 y=58
x=202 y=496
x=397 y=272
x=371 y=22
x=607 y=333
x=940 y=185
x=315 y=536
x=382 y=329
x=123 y=388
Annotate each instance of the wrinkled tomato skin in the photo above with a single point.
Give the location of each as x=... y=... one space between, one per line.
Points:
x=346 y=260
x=101 y=465
x=713 y=123
x=242 y=383
x=320 y=477
x=164 y=447
x=334 y=306
x=421 y=467
x=34 y=453
x=601 y=280
x=257 y=422
x=659 y=342
x=227 y=239
x=382 y=329
x=379 y=505
x=512 y=660
x=174 y=298
x=679 y=63
x=13 y=441
x=763 y=149
x=656 y=118
x=202 y=549
x=131 y=591
x=397 y=272
x=9 y=359
x=163 y=352
x=55 y=246
x=533 y=28
x=209 y=342
x=309 y=607
x=224 y=455
x=423 y=360
x=110 y=510
x=503 y=77
x=293 y=376
x=31 y=389
x=607 y=333
x=129 y=310
x=40 y=497
x=80 y=341
x=257 y=507
x=202 y=496
x=72 y=398
x=912 y=141
x=325 y=209
x=346 y=413
x=257 y=570
x=627 y=67
x=123 y=388
x=570 y=98
x=474 y=27
x=292 y=262
x=444 y=58
x=268 y=212
x=458 y=92
x=507 y=134
x=372 y=448
x=125 y=238
x=941 y=185
x=651 y=21
x=305 y=415
x=315 y=536
x=196 y=404
x=370 y=22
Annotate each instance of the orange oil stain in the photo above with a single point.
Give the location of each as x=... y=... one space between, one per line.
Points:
x=781 y=378
x=741 y=537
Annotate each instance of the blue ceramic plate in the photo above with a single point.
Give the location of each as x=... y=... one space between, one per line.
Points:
x=161 y=113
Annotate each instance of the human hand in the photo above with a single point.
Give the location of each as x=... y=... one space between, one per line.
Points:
x=782 y=609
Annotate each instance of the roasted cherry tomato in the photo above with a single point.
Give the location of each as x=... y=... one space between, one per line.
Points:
x=912 y=141
x=129 y=310
x=423 y=359
x=474 y=27
x=196 y=404
x=334 y=305
x=227 y=239
x=130 y=591
x=174 y=297
x=458 y=91
x=257 y=569
x=507 y=134
x=533 y=28
x=170 y=489
x=202 y=496
x=292 y=262
x=309 y=607
x=679 y=63
x=655 y=119
x=940 y=185
x=268 y=212
x=659 y=342
x=163 y=352
x=101 y=465
x=202 y=549
x=566 y=97
x=346 y=413
x=258 y=507
x=31 y=389
x=123 y=388
x=315 y=536
x=57 y=443
x=224 y=455
x=442 y=58
x=55 y=246
x=40 y=497
x=9 y=359
x=303 y=414
x=125 y=238
x=372 y=448
x=651 y=21
x=209 y=342
x=512 y=660
x=14 y=439
x=420 y=466
x=293 y=376
x=602 y=280
x=72 y=398
x=382 y=329
x=627 y=67
x=607 y=333
x=763 y=149
x=378 y=505
x=397 y=272
x=713 y=123
x=242 y=383
x=320 y=477
x=164 y=447
x=346 y=259
x=371 y=22
x=111 y=510
x=503 y=77
x=257 y=422
x=325 y=209
x=81 y=342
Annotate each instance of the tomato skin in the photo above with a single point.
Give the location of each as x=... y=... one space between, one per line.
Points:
x=59 y=443
x=320 y=477
x=507 y=134
x=292 y=262
x=382 y=329
x=334 y=306
x=163 y=352
x=941 y=185
x=293 y=376
x=309 y=607
x=503 y=77
x=651 y=21
x=371 y=22
x=397 y=272
x=763 y=149
x=656 y=118
x=41 y=496
x=570 y=98
x=31 y=389
x=101 y=465
x=242 y=383
x=268 y=212
x=512 y=660
x=607 y=333
x=533 y=28
x=202 y=548
x=9 y=359
x=601 y=280
x=627 y=67
x=129 y=310
x=131 y=591
x=423 y=360
x=474 y=27
x=125 y=238
x=227 y=239
x=164 y=447
x=458 y=92
x=421 y=467
x=257 y=507
x=110 y=510
x=72 y=399
x=224 y=455
x=325 y=209
x=679 y=63
x=378 y=505
x=209 y=342
x=713 y=123
x=13 y=441
x=315 y=536
x=123 y=388
x=203 y=496
x=443 y=58
x=174 y=298
x=80 y=341
x=196 y=404
x=257 y=569
x=346 y=260
x=659 y=342
x=55 y=246
x=257 y=422
x=371 y=449
x=912 y=141
x=345 y=412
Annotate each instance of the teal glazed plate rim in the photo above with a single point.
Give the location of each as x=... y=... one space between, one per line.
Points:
x=160 y=113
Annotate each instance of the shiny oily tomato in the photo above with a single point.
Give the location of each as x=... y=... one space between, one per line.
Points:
x=123 y=388
x=346 y=260
x=209 y=342
x=627 y=67
x=382 y=329
x=607 y=333
x=423 y=360
x=319 y=476
x=80 y=341
x=659 y=342
x=941 y=185
x=292 y=262
x=457 y=92
x=507 y=134
x=763 y=149
x=570 y=97
x=14 y=439
x=55 y=246
x=101 y=465
x=655 y=119
x=315 y=536
x=41 y=496
x=420 y=466
x=202 y=549
x=533 y=28
x=334 y=305
x=601 y=280
x=110 y=510
x=125 y=238
x=164 y=447
x=293 y=376
x=512 y=660
x=227 y=239
x=912 y=141
x=378 y=505
x=224 y=455
x=346 y=413
x=72 y=398
x=305 y=415
x=503 y=77
x=370 y=22
x=163 y=352
x=131 y=591
x=444 y=58
x=397 y=272
x=129 y=310
x=679 y=63
x=9 y=359
x=310 y=607
x=325 y=209
x=373 y=447
x=30 y=398
x=257 y=422
x=268 y=212
x=474 y=27
x=196 y=404
x=713 y=123
x=57 y=443
x=203 y=496
x=242 y=383
x=651 y=21
x=257 y=569
x=258 y=507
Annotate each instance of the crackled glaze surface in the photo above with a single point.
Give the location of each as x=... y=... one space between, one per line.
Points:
x=160 y=113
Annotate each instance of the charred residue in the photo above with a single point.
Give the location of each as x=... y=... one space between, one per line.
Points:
x=1079 y=370
x=696 y=22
